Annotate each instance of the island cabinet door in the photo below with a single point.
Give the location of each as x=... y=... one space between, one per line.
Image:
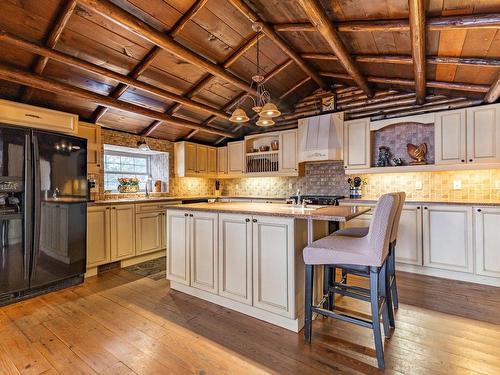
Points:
x=487 y=240
x=178 y=234
x=204 y=251
x=273 y=265
x=448 y=240
x=235 y=257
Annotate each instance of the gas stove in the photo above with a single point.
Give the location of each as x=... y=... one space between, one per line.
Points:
x=322 y=200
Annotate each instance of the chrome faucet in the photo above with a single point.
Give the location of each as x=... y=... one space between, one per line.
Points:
x=298 y=198
x=55 y=194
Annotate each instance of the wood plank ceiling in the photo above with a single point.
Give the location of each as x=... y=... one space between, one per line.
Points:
x=174 y=69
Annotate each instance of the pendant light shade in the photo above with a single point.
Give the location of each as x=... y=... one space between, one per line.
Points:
x=143 y=146
x=270 y=110
x=239 y=115
x=264 y=121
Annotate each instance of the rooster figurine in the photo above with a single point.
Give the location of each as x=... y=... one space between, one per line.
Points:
x=417 y=153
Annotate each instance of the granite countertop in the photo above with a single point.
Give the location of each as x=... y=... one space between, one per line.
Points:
x=106 y=202
x=330 y=213
x=468 y=202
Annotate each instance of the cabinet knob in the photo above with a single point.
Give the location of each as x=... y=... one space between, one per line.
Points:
x=254 y=220
x=247 y=220
x=190 y=215
x=418 y=207
x=479 y=210
x=463 y=161
x=470 y=160
x=186 y=214
x=425 y=208
x=114 y=208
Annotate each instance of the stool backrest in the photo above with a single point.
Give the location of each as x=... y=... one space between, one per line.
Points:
x=397 y=217
x=380 y=230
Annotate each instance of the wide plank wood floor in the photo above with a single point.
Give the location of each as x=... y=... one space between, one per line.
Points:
x=120 y=323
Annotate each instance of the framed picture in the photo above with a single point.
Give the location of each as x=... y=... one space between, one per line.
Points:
x=328 y=103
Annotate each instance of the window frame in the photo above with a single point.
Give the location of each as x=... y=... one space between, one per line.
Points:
x=117 y=173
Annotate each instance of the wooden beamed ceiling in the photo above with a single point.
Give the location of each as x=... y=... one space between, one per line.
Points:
x=176 y=69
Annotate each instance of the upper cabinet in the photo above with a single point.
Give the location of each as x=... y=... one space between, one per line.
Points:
x=357 y=144
x=92 y=133
x=450 y=137
x=320 y=138
x=287 y=156
x=235 y=158
x=193 y=160
x=36 y=117
x=483 y=134
x=222 y=161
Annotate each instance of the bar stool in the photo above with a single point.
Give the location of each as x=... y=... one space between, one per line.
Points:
x=368 y=255
x=391 y=265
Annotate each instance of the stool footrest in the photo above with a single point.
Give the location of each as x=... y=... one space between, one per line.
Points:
x=346 y=318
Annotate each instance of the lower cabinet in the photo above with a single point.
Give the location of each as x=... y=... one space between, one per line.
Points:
x=273 y=260
x=122 y=231
x=235 y=257
x=244 y=258
x=448 y=238
x=149 y=232
x=98 y=236
x=409 y=242
x=487 y=240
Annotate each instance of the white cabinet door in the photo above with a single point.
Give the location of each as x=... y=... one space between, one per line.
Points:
x=222 y=160
x=122 y=231
x=148 y=232
x=450 y=137
x=98 y=235
x=288 y=151
x=483 y=134
x=409 y=240
x=178 y=246
x=487 y=241
x=273 y=265
x=235 y=157
x=235 y=257
x=204 y=251
x=357 y=144
x=448 y=239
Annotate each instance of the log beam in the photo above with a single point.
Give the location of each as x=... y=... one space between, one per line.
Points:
x=22 y=77
x=417 y=28
x=103 y=72
x=146 y=62
x=51 y=41
x=408 y=60
x=476 y=21
x=408 y=82
x=164 y=41
x=494 y=91
x=271 y=34
x=320 y=20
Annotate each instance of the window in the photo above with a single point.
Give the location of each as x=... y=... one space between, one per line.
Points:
x=125 y=164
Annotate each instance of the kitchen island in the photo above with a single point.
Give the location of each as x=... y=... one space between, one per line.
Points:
x=247 y=256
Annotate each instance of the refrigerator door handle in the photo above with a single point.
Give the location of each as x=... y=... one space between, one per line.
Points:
x=36 y=204
x=28 y=204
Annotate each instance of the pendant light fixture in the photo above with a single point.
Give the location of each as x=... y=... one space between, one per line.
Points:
x=142 y=145
x=262 y=101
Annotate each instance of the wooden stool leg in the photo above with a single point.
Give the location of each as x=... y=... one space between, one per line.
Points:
x=374 y=299
x=308 y=302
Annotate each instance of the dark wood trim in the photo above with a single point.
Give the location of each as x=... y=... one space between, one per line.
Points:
x=151 y=56
x=408 y=82
x=294 y=87
x=51 y=41
x=279 y=41
x=18 y=76
x=318 y=17
x=494 y=91
x=476 y=21
x=417 y=28
x=408 y=60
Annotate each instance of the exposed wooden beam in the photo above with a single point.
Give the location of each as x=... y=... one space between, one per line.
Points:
x=166 y=42
x=151 y=56
x=417 y=31
x=294 y=87
x=206 y=79
x=318 y=17
x=51 y=41
x=22 y=77
x=476 y=21
x=125 y=80
x=280 y=42
x=408 y=60
x=408 y=82
x=494 y=91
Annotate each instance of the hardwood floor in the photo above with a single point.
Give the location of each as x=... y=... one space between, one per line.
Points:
x=120 y=323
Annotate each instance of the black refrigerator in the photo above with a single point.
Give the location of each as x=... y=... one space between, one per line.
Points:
x=43 y=212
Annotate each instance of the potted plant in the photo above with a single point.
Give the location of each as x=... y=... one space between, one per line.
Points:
x=128 y=185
